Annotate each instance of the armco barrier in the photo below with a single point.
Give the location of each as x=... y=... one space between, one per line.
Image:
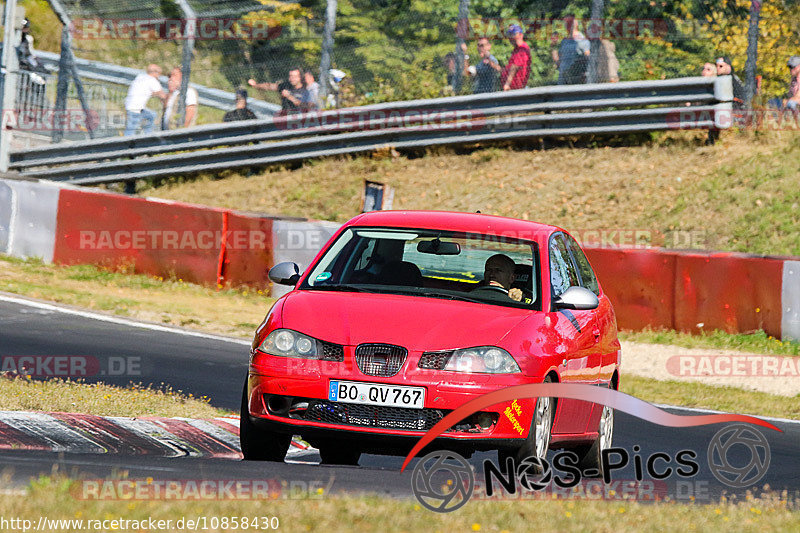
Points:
x=790 y=300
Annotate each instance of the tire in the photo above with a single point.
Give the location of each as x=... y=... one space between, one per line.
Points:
x=590 y=456
x=538 y=441
x=339 y=453
x=257 y=444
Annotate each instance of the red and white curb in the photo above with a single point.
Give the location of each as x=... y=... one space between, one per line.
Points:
x=160 y=436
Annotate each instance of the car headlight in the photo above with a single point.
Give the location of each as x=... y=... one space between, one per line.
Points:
x=482 y=359
x=290 y=343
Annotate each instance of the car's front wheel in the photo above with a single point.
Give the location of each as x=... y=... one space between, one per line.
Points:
x=257 y=444
x=538 y=441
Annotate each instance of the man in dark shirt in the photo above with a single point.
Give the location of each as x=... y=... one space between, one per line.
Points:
x=293 y=91
x=487 y=70
x=241 y=112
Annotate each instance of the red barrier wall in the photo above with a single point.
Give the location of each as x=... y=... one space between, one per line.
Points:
x=248 y=251
x=689 y=291
x=731 y=292
x=640 y=284
x=159 y=238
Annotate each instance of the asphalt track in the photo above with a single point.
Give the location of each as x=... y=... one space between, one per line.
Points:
x=215 y=367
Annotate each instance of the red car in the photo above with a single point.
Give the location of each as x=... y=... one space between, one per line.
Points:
x=404 y=316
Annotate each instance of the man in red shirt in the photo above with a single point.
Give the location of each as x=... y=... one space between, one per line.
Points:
x=516 y=72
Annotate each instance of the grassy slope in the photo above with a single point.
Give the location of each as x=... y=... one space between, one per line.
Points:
x=742 y=194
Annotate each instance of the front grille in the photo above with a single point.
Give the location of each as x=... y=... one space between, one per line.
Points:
x=435 y=360
x=384 y=360
x=373 y=416
x=332 y=352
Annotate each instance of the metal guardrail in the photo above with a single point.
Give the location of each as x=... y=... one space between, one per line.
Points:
x=108 y=73
x=564 y=110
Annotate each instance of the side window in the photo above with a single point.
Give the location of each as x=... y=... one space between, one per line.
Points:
x=588 y=279
x=562 y=271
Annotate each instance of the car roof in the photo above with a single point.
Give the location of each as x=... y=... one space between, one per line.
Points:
x=455 y=221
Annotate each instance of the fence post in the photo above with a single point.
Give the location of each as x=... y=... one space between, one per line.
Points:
x=462 y=27
x=62 y=86
x=9 y=69
x=752 y=53
x=327 y=49
x=596 y=19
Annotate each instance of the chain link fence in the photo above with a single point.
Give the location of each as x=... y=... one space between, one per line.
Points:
x=388 y=50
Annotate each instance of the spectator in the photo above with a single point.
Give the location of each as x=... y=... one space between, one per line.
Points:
x=607 y=63
x=793 y=95
x=312 y=89
x=725 y=68
x=293 y=91
x=241 y=112
x=450 y=65
x=709 y=70
x=572 y=55
x=516 y=72
x=25 y=52
x=169 y=120
x=142 y=87
x=487 y=70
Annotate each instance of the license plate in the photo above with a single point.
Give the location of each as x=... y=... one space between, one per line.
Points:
x=376 y=394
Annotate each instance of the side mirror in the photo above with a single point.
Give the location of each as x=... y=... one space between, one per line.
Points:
x=577 y=298
x=287 y=273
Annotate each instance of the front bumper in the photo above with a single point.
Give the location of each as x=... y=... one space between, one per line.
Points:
x=302 y=381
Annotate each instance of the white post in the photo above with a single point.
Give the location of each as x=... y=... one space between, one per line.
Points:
x=8 y=69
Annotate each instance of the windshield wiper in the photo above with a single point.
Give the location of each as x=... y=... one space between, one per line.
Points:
x=340 y=287
x=452 y=297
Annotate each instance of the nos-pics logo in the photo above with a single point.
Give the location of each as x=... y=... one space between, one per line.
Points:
x=443 y=481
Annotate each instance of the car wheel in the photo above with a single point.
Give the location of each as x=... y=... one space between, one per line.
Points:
x=257 y=444
x=339 y=453
x=590 y=456
x=538 y=441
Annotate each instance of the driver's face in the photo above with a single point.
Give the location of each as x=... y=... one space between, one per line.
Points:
x=499 y=271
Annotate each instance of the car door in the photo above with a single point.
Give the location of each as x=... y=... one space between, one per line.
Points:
x=578 y=327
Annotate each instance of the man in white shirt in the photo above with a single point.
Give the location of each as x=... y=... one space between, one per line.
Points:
x=169 y=120
x=144 y=86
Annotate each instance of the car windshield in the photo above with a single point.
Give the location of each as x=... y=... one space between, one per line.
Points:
x=431 y=264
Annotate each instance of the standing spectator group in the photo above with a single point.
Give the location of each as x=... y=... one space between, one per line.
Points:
x=299 y=92
x=570 y=56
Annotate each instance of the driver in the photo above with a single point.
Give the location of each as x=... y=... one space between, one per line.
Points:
x=499 y=272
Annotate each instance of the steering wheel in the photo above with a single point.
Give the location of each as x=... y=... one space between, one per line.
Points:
x=491 y=288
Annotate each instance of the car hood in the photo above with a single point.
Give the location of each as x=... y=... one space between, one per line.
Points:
x=417 y=323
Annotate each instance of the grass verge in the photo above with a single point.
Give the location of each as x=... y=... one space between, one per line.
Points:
x=56 y=395
x=228 y=311
x=728 y=399
x=758 y=342
x=52 y=497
